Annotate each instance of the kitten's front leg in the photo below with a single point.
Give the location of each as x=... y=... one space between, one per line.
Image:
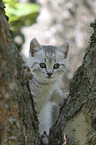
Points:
x=46 y=118
x=58 y=96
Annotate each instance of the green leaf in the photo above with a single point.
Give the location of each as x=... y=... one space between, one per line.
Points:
x=21 y=14
x=21 y=10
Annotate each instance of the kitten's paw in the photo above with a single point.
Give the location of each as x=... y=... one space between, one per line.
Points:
x=44 y=138
x=64 y=100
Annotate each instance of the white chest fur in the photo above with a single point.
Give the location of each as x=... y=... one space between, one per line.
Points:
x=41 y=92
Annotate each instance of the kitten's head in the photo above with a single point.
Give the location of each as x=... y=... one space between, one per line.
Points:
x=48 y=63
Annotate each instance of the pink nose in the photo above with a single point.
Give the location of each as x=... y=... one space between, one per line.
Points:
x=49 y=74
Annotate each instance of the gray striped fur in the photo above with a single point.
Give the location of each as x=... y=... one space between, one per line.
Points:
x=44 y=86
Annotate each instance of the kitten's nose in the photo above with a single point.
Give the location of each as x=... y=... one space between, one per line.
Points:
x=49 y=74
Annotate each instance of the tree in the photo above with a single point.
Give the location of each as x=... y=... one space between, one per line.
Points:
x=18 y=123
x=77 y=118
x=76 y=124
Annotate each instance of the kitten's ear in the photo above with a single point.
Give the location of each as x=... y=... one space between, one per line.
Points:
x=64 y=48
x=34 y=46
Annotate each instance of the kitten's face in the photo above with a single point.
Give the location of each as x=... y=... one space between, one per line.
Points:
x=48 y=63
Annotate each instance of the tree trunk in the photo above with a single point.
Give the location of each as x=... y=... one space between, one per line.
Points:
x=18 y=122
x=77 y=121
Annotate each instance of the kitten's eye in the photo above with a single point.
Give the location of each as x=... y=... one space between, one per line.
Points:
x=56 y=66
x=42 y=65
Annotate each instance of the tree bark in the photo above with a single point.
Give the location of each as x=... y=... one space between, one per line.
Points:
x=77 y=120
x=76 y=124
x=18 y=121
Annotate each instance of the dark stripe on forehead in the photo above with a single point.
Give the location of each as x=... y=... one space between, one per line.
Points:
x=45 y=56
x=54 y=55
x=33 y=64
x=51 y=51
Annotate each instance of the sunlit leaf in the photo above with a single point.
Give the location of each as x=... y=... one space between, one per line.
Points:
x=21 y=13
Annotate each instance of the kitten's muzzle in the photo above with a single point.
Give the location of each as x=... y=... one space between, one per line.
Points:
x=49 y=74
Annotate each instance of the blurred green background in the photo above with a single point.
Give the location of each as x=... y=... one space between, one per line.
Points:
x=20 y=14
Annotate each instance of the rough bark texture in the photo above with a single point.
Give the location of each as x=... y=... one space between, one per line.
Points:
x=18 y=122
x=77 y=122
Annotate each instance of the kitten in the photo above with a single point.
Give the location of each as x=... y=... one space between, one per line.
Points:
x=48 y=65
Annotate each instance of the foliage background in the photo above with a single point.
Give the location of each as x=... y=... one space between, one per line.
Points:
x=57 y=21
